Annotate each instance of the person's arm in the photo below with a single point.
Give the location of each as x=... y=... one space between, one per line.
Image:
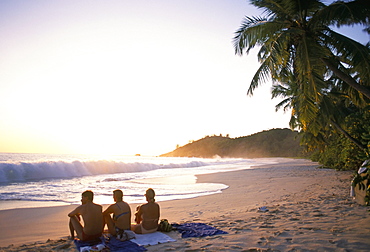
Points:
x=109 y=210
x=138 y=215
x=75 y=212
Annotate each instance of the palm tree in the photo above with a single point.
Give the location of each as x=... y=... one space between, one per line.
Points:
x=295 y=40
x=331 y=115
x=309 y=63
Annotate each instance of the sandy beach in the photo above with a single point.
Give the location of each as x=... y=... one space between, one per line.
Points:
x=309 y=209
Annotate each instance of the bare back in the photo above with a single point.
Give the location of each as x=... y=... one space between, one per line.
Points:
x=149 y=213
x=92 y=217
x=122 y=215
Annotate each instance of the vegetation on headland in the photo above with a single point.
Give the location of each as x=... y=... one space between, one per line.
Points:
x=271 y=143
x=323 y=76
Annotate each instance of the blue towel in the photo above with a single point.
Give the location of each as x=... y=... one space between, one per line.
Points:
x=79 y=244
x=112 y=243
x=196 y=230
x=126 y=246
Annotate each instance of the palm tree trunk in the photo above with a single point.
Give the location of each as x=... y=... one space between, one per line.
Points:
x=345 y=133
x=346 y=78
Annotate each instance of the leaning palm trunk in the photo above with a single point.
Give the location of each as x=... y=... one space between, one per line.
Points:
x=346 y=78
x=345 y=133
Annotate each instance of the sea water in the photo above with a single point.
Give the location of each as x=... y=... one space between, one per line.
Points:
x=28 y=180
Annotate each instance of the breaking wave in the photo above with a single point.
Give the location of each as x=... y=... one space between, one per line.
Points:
x=31 y=171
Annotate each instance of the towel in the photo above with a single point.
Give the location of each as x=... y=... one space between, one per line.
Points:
x=111 y=242
x=196 y=230
x=152 y=239
x=126 y=246
x=83 y=245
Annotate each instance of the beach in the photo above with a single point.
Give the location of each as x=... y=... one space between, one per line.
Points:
x=307 y=209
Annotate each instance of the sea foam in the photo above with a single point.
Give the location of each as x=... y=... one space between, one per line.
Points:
x=26 y=171
x=62 y=179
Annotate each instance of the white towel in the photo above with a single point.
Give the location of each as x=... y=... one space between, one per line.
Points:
x=98 y=247
x=152 y=239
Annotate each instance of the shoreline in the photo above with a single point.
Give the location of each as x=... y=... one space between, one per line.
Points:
x=180 y=176
x=186 y=179
x=309 y=209
x=14 y=204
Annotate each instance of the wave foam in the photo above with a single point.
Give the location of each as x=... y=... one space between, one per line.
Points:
x=26 y=171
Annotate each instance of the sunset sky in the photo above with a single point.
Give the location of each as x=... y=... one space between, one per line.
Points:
x=126 y=77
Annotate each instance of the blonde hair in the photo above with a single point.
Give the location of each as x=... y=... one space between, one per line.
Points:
x=150 y=194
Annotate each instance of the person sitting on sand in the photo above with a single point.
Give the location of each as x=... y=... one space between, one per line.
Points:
x=147 y=215
x=121 y=215
x=92 y=218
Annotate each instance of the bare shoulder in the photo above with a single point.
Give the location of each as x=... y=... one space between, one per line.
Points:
x=80 y=209
x=151 y=204
x=98 y=206
x=77 y=210
x=144 y=206
x=140 y=208
x=126 y=204
x=156 y=205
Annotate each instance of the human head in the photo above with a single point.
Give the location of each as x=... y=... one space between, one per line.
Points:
x=118 y=195
x=88 y=194
x=150 y=194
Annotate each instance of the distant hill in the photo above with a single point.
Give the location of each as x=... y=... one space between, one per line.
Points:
x=271 y=143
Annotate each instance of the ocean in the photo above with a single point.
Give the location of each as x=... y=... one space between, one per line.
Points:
x=31 y=180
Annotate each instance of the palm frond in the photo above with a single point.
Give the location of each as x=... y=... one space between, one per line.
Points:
x=254 y=32
x=275 y=62
x=278 y=90
x=262 y=75
x=344 y=46
x=271 y=7
x=244 y=37
x=344 y=13
x=287 y=9
x=350 y=52
x=284 y=103
x=281 y=91
x=309 y=70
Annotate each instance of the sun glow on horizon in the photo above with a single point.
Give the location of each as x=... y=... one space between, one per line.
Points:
x=126 y=77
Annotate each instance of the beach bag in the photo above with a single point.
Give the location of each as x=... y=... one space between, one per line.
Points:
x=165 y=226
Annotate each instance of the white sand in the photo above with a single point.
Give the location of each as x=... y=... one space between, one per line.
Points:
x=309 y=210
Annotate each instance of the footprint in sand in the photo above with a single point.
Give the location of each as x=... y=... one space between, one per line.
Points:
x=266 y=226
x=289 y=240
x=206 y=246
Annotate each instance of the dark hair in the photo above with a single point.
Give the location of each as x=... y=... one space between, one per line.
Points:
x=118 y=194
x=89 y=194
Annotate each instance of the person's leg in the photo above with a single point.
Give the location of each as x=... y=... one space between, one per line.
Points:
x=75 y=225
x=71 y=230
x=110 y=224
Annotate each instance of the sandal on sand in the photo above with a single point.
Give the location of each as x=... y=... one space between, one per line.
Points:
x=263 y=209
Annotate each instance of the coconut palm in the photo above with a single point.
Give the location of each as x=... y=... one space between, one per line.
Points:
x=295 y=40
x=331 y=115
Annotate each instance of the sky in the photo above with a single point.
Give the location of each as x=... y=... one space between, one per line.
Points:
x=126 y=77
